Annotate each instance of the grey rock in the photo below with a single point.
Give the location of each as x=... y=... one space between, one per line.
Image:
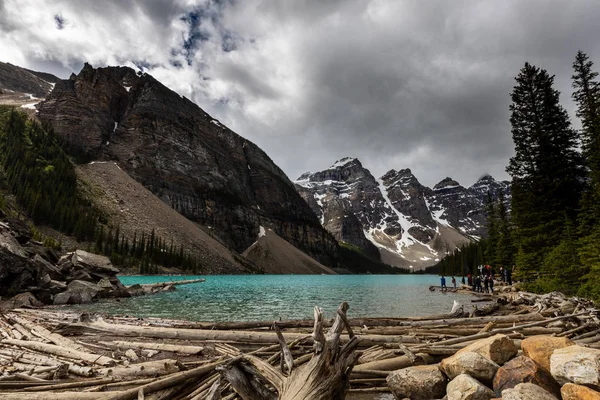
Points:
x=471 y=363
x=423 y=382
x=62 y=298
x=576 y=364
x=527 y=391
x=465 y=387
x=136 y=290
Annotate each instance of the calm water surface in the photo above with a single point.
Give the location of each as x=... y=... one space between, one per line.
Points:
x=266 y=297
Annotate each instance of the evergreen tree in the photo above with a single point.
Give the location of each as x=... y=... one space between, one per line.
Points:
x=546 y=170
x=491 y=242
x=587 y=96
x=504 y=246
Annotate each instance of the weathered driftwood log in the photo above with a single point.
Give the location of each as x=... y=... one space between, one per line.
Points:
x=61 y=351
x=324 y=377
x=201 y=334
x=174 y=348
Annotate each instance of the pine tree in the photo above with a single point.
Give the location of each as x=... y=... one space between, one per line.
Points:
x=587 y=96
x=546 y=170
x=492 y=231
x=504 y=247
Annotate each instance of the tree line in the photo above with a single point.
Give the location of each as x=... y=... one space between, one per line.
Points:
x=39 y=173
x=552 y=236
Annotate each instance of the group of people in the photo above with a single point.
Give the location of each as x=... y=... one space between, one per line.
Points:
x=484 y=281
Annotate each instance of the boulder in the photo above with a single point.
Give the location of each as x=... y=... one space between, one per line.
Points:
x=21 y=300
x=33 y=248
x=471 y=363
x=498 y=348
x=527 y=391
x=45 y=267
x=19 y=229
x=16 y=270
x=422 y=382
x=523 y=369
x=571 y=391
x=62 y=298
x=136 y=290
x=79 y=275
x=576 y=364
x=83 y=286
x=540 y=348
x=465 y=387
x=105 y=284
x=93 y=263
x=56 y=286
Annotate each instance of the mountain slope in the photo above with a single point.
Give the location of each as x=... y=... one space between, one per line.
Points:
x=274 y=255
x=189 y=160
x=134 y=209
x=395 y=218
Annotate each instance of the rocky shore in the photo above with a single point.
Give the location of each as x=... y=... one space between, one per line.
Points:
x=520 y=346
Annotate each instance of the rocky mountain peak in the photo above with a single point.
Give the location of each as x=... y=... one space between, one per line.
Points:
x=408 y=224
x=446 y=183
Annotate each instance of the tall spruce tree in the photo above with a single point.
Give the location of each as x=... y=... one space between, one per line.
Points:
x=504 y=246
x=587 y=96
x=491 y=242
x=546 y=171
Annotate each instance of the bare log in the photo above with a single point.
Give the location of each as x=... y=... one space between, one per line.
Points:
x=61 y=351
x=174 y=348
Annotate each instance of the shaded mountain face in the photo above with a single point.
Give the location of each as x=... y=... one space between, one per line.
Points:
x=14 y=79
x=188 y=159
x=396 y=218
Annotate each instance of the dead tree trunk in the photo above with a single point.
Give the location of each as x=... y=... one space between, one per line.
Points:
x=324 y=377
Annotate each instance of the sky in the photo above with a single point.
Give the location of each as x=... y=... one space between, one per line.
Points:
x=397 y=84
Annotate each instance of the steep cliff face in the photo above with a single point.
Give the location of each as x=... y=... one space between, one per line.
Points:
x=188 y=159
x=396 y=218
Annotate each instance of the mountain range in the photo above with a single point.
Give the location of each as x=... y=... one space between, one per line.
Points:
x=124 y=128
x=395 y=218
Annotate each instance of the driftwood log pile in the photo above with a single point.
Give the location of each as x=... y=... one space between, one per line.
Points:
x=58 y=354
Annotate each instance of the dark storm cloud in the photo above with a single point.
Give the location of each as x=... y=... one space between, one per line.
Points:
x=424 y=85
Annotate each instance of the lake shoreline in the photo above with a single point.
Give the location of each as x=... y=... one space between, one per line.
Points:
x=384 y=344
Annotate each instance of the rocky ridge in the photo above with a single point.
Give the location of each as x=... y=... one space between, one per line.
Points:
x=188 y=159
x=395 y=218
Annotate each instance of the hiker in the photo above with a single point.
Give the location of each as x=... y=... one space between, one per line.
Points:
x=485 y=284
x=454 y=282
x=470 y=280
x=463 y=280
x=508 y=273
x=492 y=284
x=477 y=284
x=502 y=277
x=443 y=283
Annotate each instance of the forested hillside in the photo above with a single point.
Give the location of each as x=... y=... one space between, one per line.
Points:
x=552 y=237
x=42 y=178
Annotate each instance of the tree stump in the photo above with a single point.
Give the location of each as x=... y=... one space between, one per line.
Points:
x=324 y=377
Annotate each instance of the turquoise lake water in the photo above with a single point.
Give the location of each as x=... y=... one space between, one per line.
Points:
x=266 y=297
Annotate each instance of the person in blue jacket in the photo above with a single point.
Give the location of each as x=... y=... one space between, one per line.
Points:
x=443 y=282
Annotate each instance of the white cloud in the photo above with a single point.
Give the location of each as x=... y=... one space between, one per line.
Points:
x=398 y=84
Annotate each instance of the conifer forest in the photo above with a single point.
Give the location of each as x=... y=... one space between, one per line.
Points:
x=551 y=237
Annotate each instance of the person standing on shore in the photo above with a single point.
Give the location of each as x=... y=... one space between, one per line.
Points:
x=454 y=282
x=502 y=277
x=477 y=284
x=443 y=283
x=491 y=279
x=463 y=280
x=485 y=284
